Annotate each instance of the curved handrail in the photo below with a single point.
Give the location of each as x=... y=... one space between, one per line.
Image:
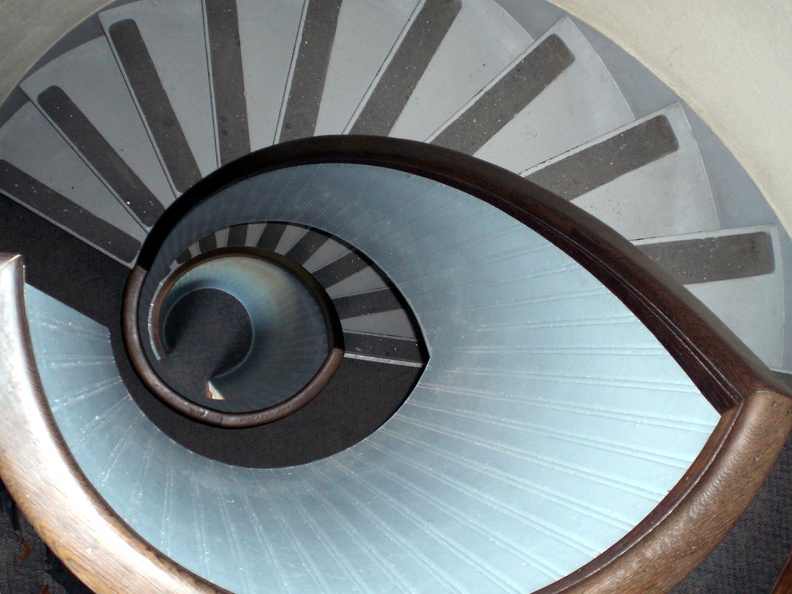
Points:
x=48 y=486
x=756 y=409
x=205 y=414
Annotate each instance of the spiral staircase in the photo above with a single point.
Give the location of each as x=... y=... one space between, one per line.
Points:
x=502 y=418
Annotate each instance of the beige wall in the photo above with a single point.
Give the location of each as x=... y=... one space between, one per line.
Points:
x=731 y=60
x=28 y=28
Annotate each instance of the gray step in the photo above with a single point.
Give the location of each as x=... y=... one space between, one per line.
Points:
x=450 y=50
x=61 y=188
x=266 y=61
x=104 y=127
x=645 y=179
x=226 y=71
x=309 y=69
x=366 y=34
x=161 y=50
x=555 y=96
x=738 y=274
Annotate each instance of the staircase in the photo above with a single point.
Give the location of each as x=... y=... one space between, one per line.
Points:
x=144 y=100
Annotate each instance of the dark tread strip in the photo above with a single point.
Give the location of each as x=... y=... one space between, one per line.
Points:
x=508 y=97
x=339 y=270
x=207 y=243
x=59 y=209
x=271 y=236
x=310 y=70
x=155 y=104
x=131 y=191
x=401 y=76
x=237 y=235
x=306 y=246
x=602 y=163
x=183 y=257
x=711 y=259
x=383 y=347
x=371 y=302
x=228 y=80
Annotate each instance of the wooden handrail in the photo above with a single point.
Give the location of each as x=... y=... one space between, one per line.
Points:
x=48 y=486
x=699 y=511
x=755 y=407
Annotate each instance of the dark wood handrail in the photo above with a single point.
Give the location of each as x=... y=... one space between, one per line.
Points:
x=755 y=407
x=208 y=415
x=47 y=484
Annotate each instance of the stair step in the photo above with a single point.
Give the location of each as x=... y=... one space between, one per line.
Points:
x=237 y=235
x=366 y=281
x=330 y=252
x=61 y=188
x=404 y=67
x=306 y=247
x=736 y=273
x=597 y=165
x=161 y=49
x=394 y=323
x=436 y=58
x=309 y=69
x=496 y=106
x=633 y=179
x=105 y=128
x=367 y=32
x=482 y=41
x=271 y=236
x=555 y=96
x=393 y=350
x=291 y=235
x=339 y=270
x=227 y=77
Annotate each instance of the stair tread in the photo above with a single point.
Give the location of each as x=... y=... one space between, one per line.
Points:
x=382 y=347
x=667 y=196
x=369 y=24
x=581 y=103
x=363 y=281
x=482 y=40
x=173 y=35
x=112 y=112
x=737 y=274
x=227 y=78
x=393 y=323
x=266 y=61
x=309 y=70
x=28 y=135
x=479 y=41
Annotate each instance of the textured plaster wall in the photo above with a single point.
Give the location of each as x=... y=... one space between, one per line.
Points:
x=731 y=60
x=28 y=28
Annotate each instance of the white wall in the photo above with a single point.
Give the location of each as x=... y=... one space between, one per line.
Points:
x=28 y=28
x=731 y=60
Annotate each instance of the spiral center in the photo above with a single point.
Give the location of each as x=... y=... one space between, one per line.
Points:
x=207 y=333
